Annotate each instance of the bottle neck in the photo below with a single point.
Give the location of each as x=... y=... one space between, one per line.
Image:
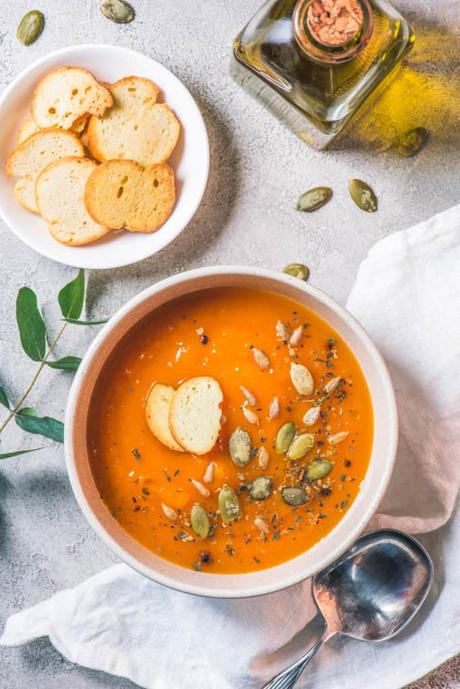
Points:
x=332 y=31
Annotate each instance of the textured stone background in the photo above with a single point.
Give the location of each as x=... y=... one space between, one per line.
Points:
x=258 y=168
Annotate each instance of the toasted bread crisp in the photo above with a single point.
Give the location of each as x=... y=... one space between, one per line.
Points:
x=135 y=127
x=122 y=193
x=30 y=157
x=195 y=414
x=59 y=192
x=67 y=94
x=157 y=413
x=28 y=128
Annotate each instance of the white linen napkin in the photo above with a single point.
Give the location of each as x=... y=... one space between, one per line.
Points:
x=407 y=295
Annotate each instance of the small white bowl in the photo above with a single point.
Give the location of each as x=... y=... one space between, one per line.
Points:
x=312 y=560
x=190 y=159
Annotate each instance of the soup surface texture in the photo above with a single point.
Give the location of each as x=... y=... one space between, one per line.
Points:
x=148 y=488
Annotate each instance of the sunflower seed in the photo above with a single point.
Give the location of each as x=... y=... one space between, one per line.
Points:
x=338 y=437
x=30 y=27
x=261 y=488
x=282 y=331
x=263 y=457
x=284 y=437
x=300 y=446
x=261 y=524
x=208 y=476
x=294 y=496
x=248 y=395
x=200 y=488
x=249 y=415
x=301 y=379
x=260 y=358
x=312 y=416
x=318 y=469
x=296 y=336
x=229 y=506
x=240 y=447
x=274 y=409
x=169 y=512
x=200 y=521
x=313 y=199
x=297 y=270
x=412 y=142
x=117 y=11
x=362 y=195
x=332 y=385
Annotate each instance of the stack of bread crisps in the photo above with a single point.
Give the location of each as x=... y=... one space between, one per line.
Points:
x=92 y=156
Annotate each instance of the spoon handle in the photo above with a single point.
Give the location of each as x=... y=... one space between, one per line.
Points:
x=288 y=678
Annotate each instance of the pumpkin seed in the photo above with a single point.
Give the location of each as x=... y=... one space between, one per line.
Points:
x=208 y=476
x=301 y=446
x=249 y=415
x=200 y=521
x=284 y=437
x=248 y=395
x=263 y=457
x=240 y=447
x=30 y=27
x=313 y=199
x=362 y=195
x=117 y=11
x=261 y=488
x=312 y=416
x=297 y=270
x=274 y=409
x=229 y=506
x=296 y=336
x=169 y=512
x=302 y=379
x=282 y=331
x=200 y=488
x=338 y=437
x=261 y=524
x=412 y=142
x=260 y=358
x=318 y=469
x=294 y=496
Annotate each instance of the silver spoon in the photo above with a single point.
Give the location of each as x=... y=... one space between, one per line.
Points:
x=370 y=593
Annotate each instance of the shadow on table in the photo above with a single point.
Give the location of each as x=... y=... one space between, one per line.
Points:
x=422 y=93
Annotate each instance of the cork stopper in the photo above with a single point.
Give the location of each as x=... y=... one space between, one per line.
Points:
x=332 y=30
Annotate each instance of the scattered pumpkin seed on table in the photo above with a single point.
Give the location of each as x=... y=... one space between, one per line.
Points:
x=118 y=11
x=313 y=199
x=30 y=27
x=410 y=143
x=362 y=195
x=297 y=270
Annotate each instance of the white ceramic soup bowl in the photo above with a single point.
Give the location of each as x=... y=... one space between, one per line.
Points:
x=312 y=560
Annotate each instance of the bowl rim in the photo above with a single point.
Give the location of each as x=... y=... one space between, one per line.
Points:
x=165 y=239
x=355 y=529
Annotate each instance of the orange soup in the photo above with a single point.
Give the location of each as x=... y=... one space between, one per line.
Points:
x=291 y=449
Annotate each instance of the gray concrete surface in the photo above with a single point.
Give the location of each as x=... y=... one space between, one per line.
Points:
x=258 y=168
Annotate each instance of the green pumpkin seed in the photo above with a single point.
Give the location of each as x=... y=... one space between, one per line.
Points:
x=313 y=199
x=30 y=27
x=412 y=142
x=240 y=447
x=229 y=506
x=301 y=446
x=362 y=195
x=284 y=437
x=294 y=496
x=199 y=520
x=297 y=270
x=261 y=488
x=117 y=11
x=319 y=469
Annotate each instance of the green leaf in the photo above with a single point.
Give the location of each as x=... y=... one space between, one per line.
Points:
x=45 y=425
x=7 y=455
x=31 y=325
x=4 y=398
x=72 y=297
x=75 y=321
x=67 y=363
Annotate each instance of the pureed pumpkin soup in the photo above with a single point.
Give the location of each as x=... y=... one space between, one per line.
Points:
x=230 y=430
